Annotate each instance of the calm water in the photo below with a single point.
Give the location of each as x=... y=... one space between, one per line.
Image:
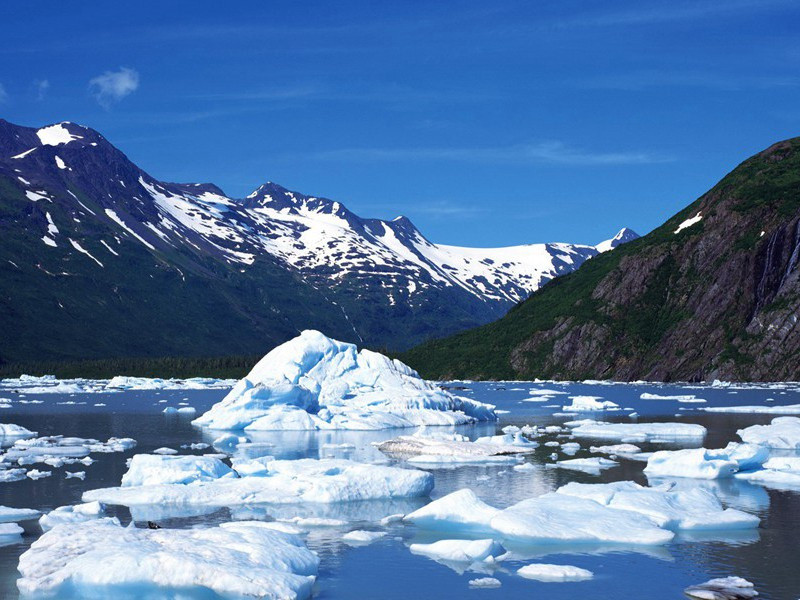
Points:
x=387 y=569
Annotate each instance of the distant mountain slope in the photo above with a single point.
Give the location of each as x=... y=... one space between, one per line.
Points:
x=99 y=259
x=712 y=293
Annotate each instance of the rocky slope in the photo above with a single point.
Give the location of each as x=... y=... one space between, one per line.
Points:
x=712 y=293
x=99 y=259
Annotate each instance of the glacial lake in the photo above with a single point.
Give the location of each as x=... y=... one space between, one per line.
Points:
x=767 y=556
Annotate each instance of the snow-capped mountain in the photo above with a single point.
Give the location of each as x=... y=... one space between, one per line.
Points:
x=75 y=207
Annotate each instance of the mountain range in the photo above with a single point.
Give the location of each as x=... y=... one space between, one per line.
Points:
x=712 y=293
x=100 y=259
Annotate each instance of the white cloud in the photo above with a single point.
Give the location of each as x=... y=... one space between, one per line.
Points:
x=113 y=86
x=533 y=153
x=41 y=86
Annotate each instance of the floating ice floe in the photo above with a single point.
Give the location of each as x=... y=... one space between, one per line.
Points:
x=12 y=432
x=589 y=404
x=616 y=513
x=362 y=537
x=314 y=382
x=641 y=432
x=592 y=465
x=102 y=559
x=782 y=433
x=685 y=398
x=782 y=472
x=155 y=469
x=484 y=582
x=72 y=514
x=275 y=482
x=621 y=449
x=545 y=572
x=14 y=515
x=703 y=463
x=460 y=551
x=695 y=509
x=723 y=588
x=426 y=447
x=790 y=409
x=121 y=382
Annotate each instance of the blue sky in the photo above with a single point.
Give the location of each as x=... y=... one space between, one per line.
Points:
x=485 y=123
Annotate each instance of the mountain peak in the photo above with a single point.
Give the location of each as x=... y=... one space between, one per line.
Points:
x=626 y=234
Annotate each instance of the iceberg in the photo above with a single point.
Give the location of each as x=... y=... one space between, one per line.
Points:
x=276 y=482
x=722 y=588
x=694 y=509
x=362 y=537
x=460 y=511
x=640 y=432
x=544 y=572
x=592 y=465
x=314 y=382
x=14 y=515
x=790 y=409
x=783 y=433
x=440 y=448
x=154 y=469
x=547 y=519
x=72 y=514
x=464 y=551
x=103 y=559
x=589 y=404
x=579 y=513
x=11 y=432
x=703 y=463
x=484 y=582
x=781 y=472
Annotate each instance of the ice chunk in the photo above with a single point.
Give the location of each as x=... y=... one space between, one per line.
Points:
x=692 y=509
x=467 y=551
x=484 y=582
x=696 y=462
x=685 y=398
x=637 y=431
x=548 y=519
x=100 y=558
x=12 y=515
x=9 y=530
x=782 y=472
x=72 y=514
x=152 y=469
x=284 y=482
x=559 y=518
x=9 y=475
x=589 y=404
x=595 y=464
x=723 y=588
x=782 y=433
x=165 y=451
x=460 y=511
x=545 y=572
x=362 y=537
x=791 y=409
x=455 y=449
x=615 y=449
x=314 y=382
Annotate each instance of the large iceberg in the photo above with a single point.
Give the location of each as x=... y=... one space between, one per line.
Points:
x=265 y=481
x=314 y=382
x=102 y=559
